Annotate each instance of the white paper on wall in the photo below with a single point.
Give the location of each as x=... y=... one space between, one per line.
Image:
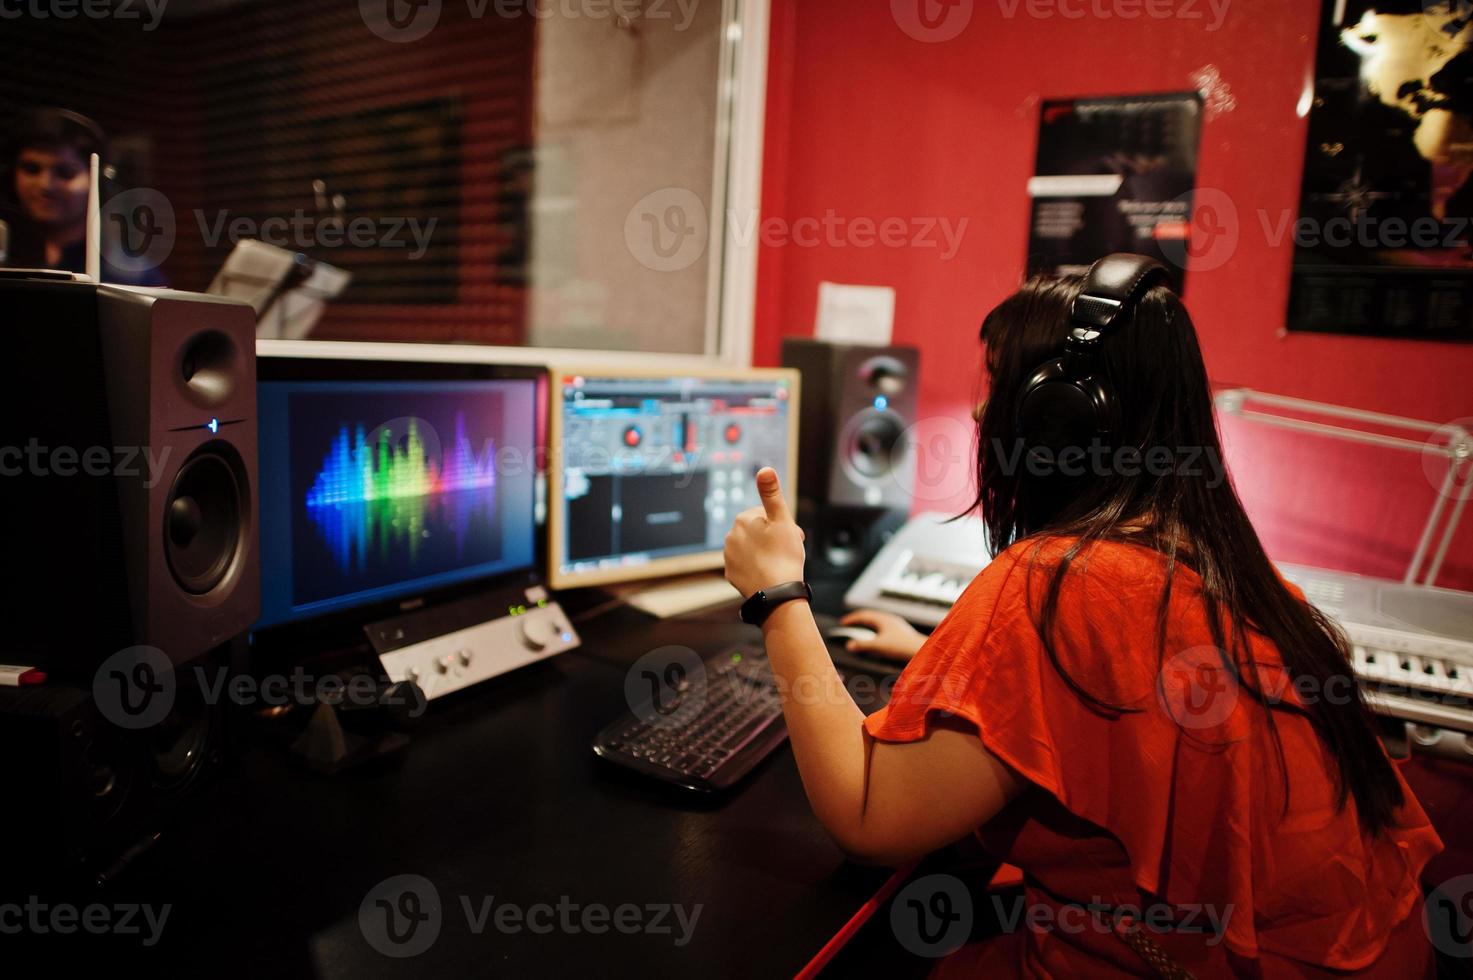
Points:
x=855 y=314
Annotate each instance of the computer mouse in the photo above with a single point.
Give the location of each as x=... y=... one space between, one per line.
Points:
x=843 y=634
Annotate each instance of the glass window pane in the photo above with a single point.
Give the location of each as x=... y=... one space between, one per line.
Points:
x=484 y=171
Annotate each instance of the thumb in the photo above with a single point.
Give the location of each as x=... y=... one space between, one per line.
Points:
x=771 y=492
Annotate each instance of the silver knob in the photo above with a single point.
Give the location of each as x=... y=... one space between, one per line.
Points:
x=534 y=634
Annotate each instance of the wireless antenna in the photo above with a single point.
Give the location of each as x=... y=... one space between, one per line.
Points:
x=94 y=223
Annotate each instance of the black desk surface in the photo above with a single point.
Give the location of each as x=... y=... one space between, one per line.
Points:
x=499 y=797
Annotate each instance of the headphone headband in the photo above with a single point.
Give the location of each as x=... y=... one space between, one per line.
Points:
x=1068 y=401
x=1115 y=283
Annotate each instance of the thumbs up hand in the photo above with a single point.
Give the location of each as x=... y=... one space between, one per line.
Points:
x=765 y=546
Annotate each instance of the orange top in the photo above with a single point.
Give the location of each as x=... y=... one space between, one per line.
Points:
x=1178 y=805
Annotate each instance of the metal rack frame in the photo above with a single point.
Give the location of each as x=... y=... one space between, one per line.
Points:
x=1451 y=442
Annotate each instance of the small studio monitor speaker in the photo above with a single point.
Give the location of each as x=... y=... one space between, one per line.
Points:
x=79 y=787
x=855 y=461
x=127 y=471
x=858 y=405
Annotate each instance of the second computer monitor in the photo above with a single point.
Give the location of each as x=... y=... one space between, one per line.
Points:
x=650 y=469
x=385 y=486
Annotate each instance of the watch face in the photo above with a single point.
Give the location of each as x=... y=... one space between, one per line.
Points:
x=756 y=609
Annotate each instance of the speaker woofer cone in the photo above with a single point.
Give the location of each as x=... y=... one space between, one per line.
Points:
x=203 y=521
x=874 y=445
x=182 y=745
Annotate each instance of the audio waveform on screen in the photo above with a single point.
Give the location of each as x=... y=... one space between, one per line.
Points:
x=378 y=500
x=356 y=472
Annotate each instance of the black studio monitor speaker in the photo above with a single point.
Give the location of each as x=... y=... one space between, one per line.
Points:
x=858 y=403
x=80 y=791
x=128 y=495
x=855 y=460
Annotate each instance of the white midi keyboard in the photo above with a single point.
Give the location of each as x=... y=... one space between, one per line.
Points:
x=924 y=569
x=1412 y=646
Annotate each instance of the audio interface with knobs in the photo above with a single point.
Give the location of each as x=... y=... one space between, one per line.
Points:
x=451 y=647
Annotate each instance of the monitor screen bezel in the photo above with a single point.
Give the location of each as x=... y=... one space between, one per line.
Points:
x=658 y=568
x=345 y=626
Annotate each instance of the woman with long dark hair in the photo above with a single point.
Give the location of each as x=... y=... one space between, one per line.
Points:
x=1129 y=703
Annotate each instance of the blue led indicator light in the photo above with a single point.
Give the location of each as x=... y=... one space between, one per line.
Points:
x=881 y=403
x=213 y=425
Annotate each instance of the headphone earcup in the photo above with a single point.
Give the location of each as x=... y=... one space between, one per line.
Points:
x=1056 y=412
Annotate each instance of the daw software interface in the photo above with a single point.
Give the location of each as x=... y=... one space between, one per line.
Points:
x=652 y=470
x=372 y=490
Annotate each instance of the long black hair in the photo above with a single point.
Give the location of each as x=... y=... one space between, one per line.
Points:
x=1155 y=366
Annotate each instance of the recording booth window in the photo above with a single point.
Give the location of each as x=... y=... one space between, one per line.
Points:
x=501 y=175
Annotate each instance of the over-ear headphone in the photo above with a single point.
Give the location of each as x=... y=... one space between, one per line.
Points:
x=1068 y=401
x=47 y=124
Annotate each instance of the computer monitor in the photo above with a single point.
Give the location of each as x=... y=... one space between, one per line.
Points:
x=648 y=469
x=387 y=485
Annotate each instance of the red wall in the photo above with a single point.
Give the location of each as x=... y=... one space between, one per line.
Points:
x=866 y=122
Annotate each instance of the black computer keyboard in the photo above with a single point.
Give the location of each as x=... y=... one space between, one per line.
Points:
x=708 y=732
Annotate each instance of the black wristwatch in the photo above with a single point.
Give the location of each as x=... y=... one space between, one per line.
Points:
x=756 y=609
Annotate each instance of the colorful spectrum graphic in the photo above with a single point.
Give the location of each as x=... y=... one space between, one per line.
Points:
x=379 y=494
x=358 y=473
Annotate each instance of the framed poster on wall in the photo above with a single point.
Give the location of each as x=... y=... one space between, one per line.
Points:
x=1114 y=175
x=1382 y=243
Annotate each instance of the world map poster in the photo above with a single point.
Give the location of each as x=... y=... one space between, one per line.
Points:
x=1381 y=242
